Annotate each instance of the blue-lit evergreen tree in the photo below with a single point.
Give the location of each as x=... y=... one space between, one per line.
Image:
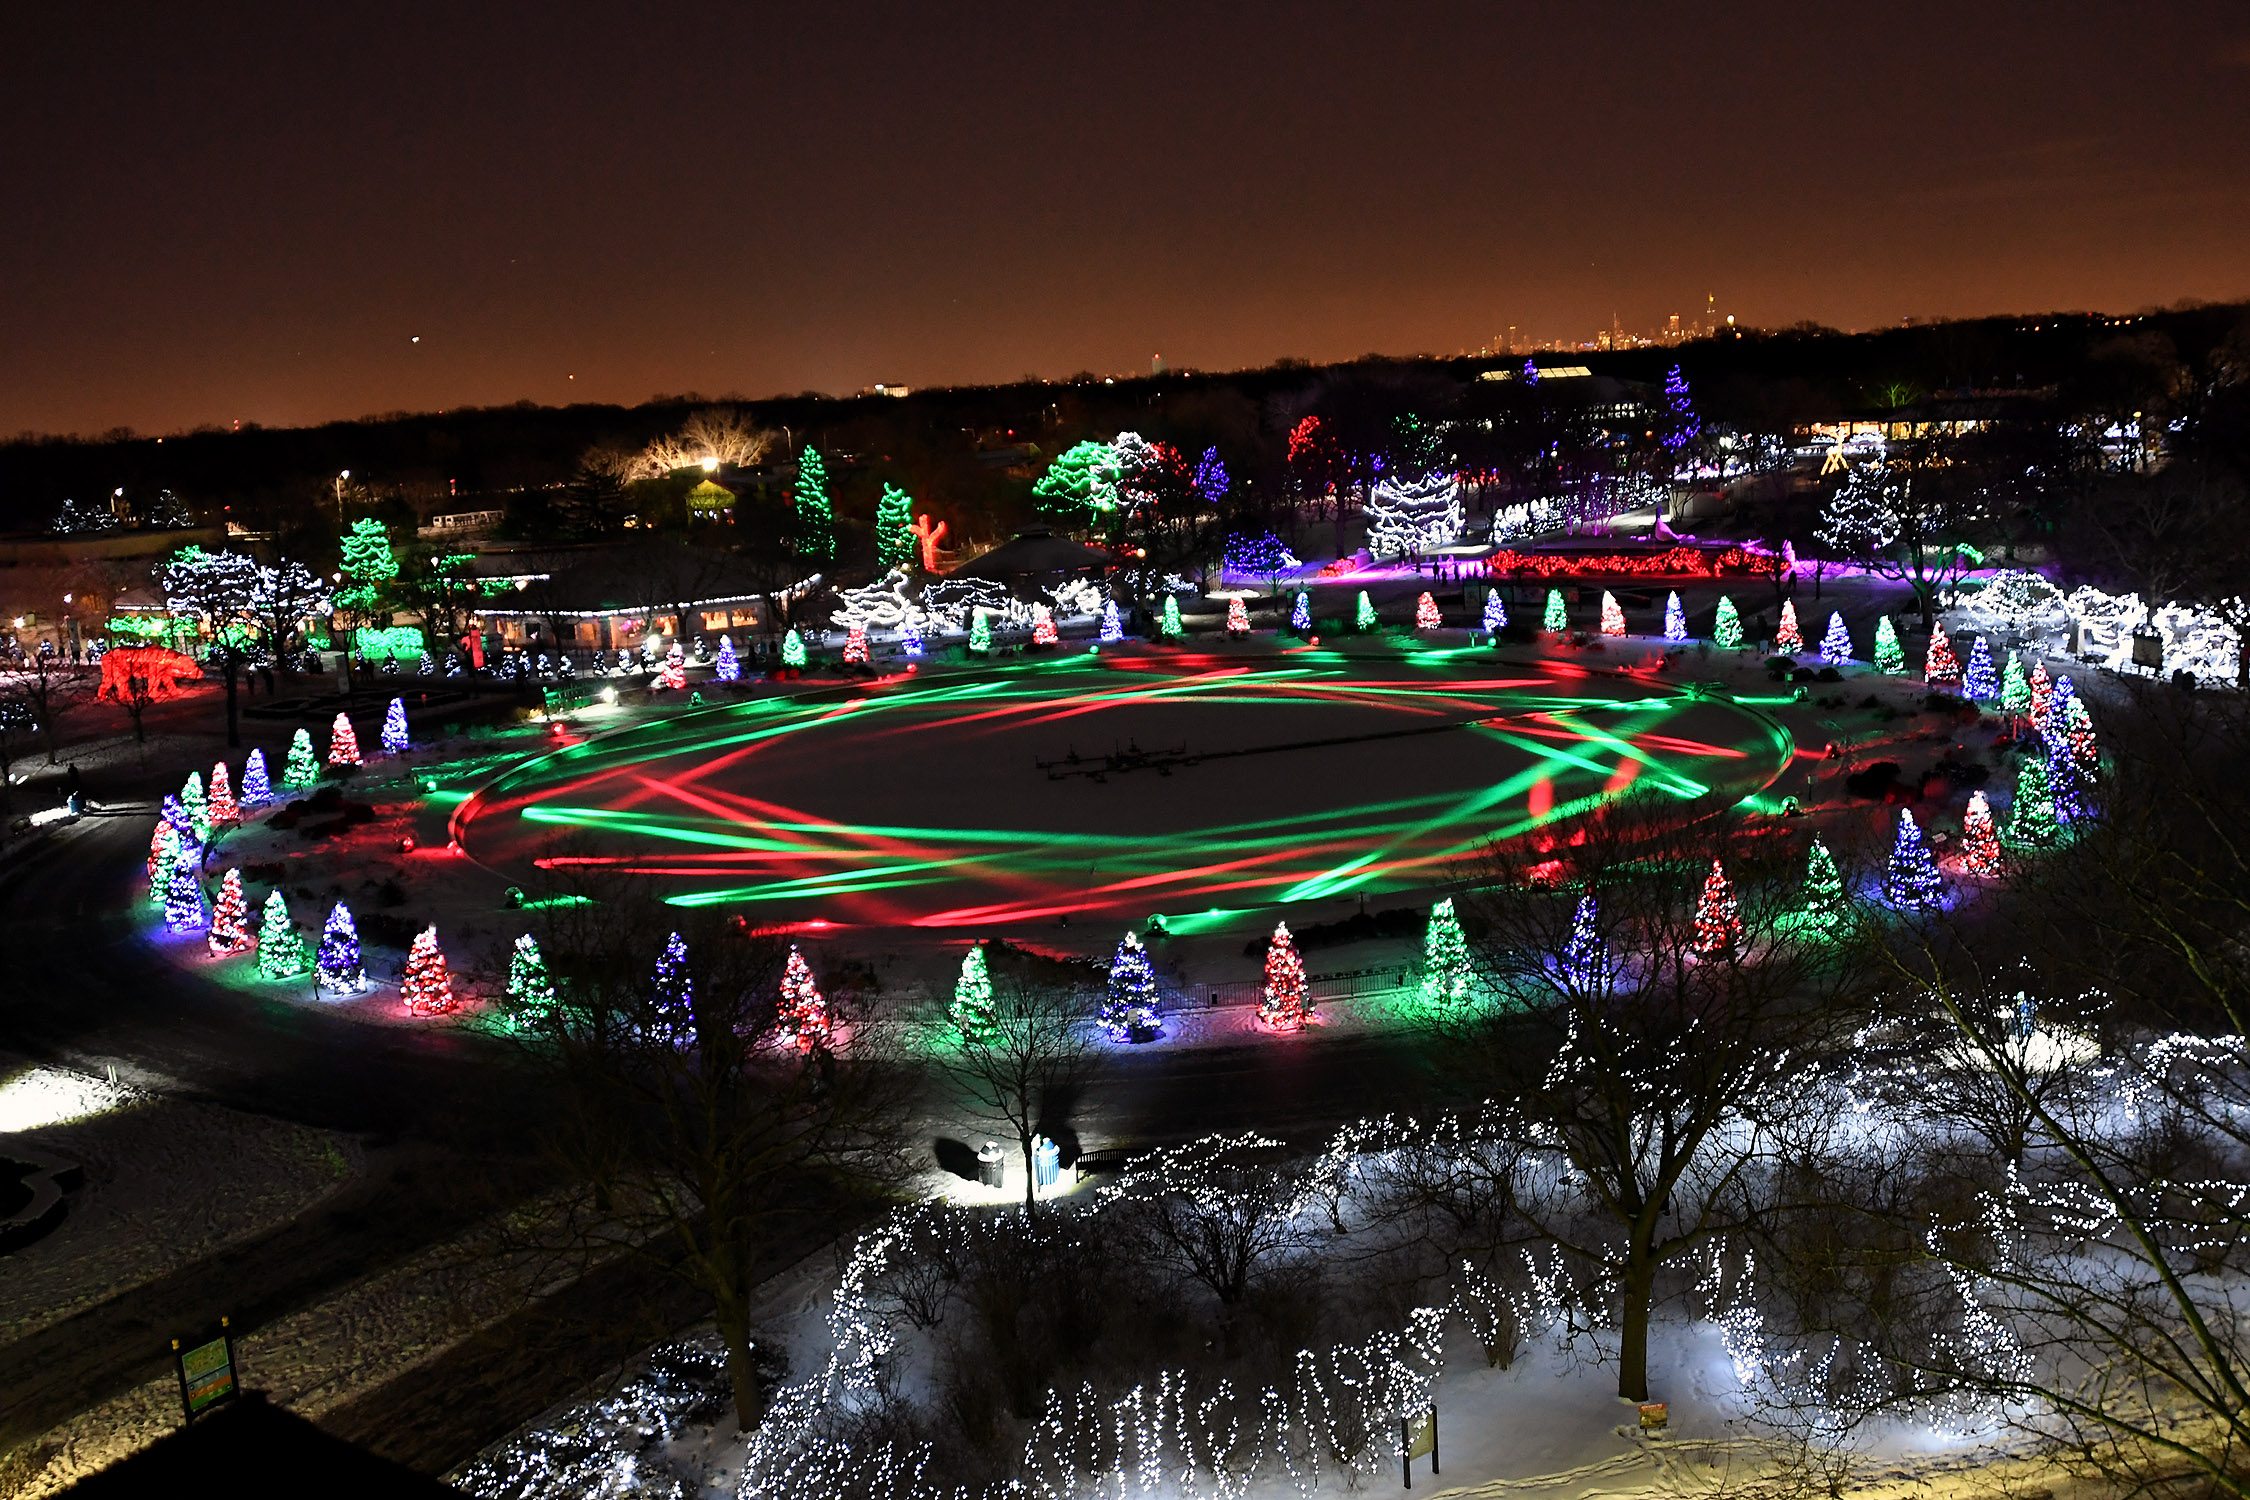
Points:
x=672 y=994
x=1836 y=645
x=183 y=898
x=1495 y=613
x=395 y=738
x=1979 y=680
x=910 y=634
x=1131 y=1000
x=1675 y=619
x=338 y=963
x=257 y=787
x=1113 y=624
x=727 y=667
x=1300 y=612
x=1584 y=963
x=1911 y=881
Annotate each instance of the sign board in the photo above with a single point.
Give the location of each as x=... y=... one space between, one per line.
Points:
x=207 y=1372
x=1417 y=1435
x=2148 y=649
x=1652 y=1416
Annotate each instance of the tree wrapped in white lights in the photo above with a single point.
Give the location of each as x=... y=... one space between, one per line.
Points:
x=1408 y=516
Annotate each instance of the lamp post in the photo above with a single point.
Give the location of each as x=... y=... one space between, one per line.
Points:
x=341 y=476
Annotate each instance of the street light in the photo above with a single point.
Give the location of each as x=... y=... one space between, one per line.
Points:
x=340 y=478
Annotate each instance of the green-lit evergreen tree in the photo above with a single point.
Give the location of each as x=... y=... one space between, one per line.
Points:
x=815 y=533
x=894 y=528
x=973 y=1014
x=1445 y=958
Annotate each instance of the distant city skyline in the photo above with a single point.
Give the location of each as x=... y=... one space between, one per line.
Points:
x=302 y=216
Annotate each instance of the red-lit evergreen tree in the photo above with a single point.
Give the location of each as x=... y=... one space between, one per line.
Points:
x=1939 y=664
x=343 y=745
x=427 y=987
x=1283 y=1005
x=1788 y=640
x=1718 y=915
x=230 y=920
x=803 y=1018
x=1980 y=840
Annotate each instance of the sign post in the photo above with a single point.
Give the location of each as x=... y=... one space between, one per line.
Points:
x=1417 y=1436
x=207 y=1372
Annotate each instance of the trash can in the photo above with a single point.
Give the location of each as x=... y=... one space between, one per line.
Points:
x=992 y=1165
x=1046 y=1162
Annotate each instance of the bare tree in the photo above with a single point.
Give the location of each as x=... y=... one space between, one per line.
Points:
x=1023 y=1071
x=1908 y=516
x=1656 y=1086
x=219 y=591
x=1222 y=1211
x=703 y=1145
x=286 y=595
x=50 y=687
x=716 y=434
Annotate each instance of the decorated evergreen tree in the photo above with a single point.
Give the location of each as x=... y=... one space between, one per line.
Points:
x=1787 y=639
x=727 y=667
x=1675 y=619
x=1495 y=613
x=894 y=529
x=1363 y=617
x=674 y=675
x=815 y=518
x=1980 y=841
x=1556 y=620
x=1836 y=645
x=369 y=566
x=980 y=631
x=802 y=1020
x=343 y=745
x=1426 y=612
x=1911 y=880
x=531 y=989
x=2015 y=688
x=221 y=807
x=197 y=807
x=855 y=644
x=1173 y=627
x=183 y=898
x=1939 y=664
x=395 y=739
x=2066 y=784
x=1300 y=612
x=1890 y=656
x=338 y=962
x=1043 y=632
x=1979 y=681
x=427 y=987
x=793 y=650
x=1726 y=630
x=1113 y=624
x=1584 y=964
x=1131 y=999
x=2077 y=731
x=672 y=994
x=2042 y=694
x=910 y=633
x=1283 y=1004
x=1445 y=958
x=2031 y=818
x=230 y=920
x=163 y=853
x=1718 y=916
x=281 y=950
x=301 y=770
x=1613 y=616
x=972 y=1010
x=256 y=788
x=1824 y=910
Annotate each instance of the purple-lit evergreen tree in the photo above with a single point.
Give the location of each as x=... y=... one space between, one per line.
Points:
x=183 y=898
x=728 y=666
x=1680 y=426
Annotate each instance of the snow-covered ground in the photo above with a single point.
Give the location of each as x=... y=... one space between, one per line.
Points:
x=167 y=1183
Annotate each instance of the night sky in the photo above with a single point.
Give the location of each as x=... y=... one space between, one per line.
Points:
x=234 y=212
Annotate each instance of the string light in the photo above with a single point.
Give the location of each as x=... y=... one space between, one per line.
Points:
x=427 y=987
x=1675 y=619
x=972 y=1010
x=1300 y=612
x=281 y=949
x=1980 y=842
x=221 y=808
x=1911 y=880
x=1979 y=681
x=1613 y=616
x=1939 y=664
x=802 y=1019
x=338 y=963
x=256 y=789
x=793 y=650
x=1363 y=615
x=1718 y=916
x=1426 y=612
x=1677 y=562
x=1282 y=1003
x=230 y=920
x=343 y=744
x=1495 y=613
x=855 y=645
x=1557 y=618
x=1890 y=656
x=1171 y=627
x=1786 y=639
x=1131 y=1000
x=1836 y=645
